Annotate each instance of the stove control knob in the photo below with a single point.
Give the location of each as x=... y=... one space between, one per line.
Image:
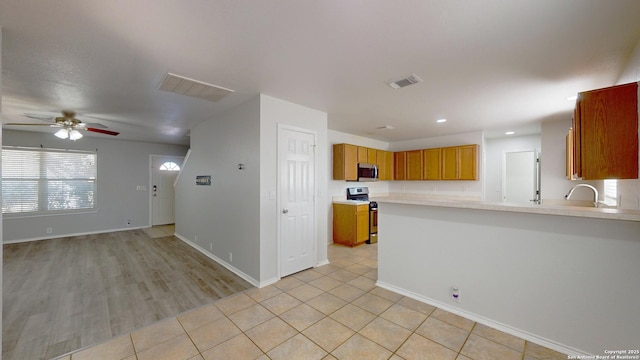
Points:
x=285 y=211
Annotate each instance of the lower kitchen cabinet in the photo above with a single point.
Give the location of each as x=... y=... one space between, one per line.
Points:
x=350 y=224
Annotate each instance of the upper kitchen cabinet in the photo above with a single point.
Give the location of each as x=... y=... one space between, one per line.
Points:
x=345 y=162
x=605 y=133
x=460 y=162
x=400 y=165
x=366 y=155
x=384 y=159
x=414 y=165
x=431 y=164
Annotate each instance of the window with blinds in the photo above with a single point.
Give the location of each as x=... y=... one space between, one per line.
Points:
x=47 y=180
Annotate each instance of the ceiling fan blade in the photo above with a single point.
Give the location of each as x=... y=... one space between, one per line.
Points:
x=38 y=117
x=19 y=124
x=103 y=131
x=93 y=125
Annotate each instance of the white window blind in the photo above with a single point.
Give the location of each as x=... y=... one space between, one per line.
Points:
x=611 y=192
x=47 y=180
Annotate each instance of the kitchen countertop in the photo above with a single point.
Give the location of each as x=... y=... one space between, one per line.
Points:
x=351 y=202
x=576 y=211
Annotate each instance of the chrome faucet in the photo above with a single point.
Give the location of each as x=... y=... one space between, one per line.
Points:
x=595 y=193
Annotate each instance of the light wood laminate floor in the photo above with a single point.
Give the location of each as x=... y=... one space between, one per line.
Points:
x=330 y=312
x=63 y=294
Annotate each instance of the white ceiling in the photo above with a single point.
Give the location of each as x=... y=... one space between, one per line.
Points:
x=486 y=64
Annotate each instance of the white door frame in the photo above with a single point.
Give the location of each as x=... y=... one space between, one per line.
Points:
x=278 y=202
x=150 y=183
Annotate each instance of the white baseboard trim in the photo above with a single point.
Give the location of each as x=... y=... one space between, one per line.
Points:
x=322 y=263
x=229 y=267
x=488 y=322
x=49 y=237
x=268 y=282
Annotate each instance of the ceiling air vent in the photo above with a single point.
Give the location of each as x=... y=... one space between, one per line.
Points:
x=409 y=80
x=194 y=88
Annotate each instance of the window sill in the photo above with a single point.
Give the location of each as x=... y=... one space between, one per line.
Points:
x=47 y=214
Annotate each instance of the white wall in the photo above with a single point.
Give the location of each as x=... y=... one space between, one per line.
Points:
x=471 y=189
x=631 y=72
x=564 y=282
x=274 y=112
x=122 y=165
x=224 y=218
x=495 y=150
x=238 y=213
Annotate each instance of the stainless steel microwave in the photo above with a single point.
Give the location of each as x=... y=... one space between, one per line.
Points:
x=367 y=172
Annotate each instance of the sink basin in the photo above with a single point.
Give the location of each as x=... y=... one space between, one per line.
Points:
x=578 y=203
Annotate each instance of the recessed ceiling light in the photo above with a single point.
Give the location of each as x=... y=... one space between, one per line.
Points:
x=572 y=98
x=441 y=120
x=509 y=133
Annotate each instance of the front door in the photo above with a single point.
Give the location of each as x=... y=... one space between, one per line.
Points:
x=164 y=170
x=296 y=166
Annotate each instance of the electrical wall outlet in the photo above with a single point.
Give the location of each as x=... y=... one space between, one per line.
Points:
x=455 y=294
x=128 y=222
x=49 y=230
x=230 y=256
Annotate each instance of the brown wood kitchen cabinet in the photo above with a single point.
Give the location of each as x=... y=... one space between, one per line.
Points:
x=345 y=162
x=366 y=155
x=605 y=133
x=400 y=165
x=414 y=165
x=460 y=162
x=384 y=160
x=431 y=164
x=363 y=154
x=350 y=224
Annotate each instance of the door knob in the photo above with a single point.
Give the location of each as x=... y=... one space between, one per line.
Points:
x=285 y=211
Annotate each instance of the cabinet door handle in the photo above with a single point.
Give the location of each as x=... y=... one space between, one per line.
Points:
x=285 y=211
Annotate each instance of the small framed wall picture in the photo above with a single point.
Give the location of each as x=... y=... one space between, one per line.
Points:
x=203 y=180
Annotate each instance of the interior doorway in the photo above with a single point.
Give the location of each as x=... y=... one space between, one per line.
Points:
x=164 y=170
x=521 y=177
x=296 y=177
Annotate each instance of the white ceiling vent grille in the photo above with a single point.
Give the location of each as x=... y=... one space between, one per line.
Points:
x=409 y=80
x=194 y=88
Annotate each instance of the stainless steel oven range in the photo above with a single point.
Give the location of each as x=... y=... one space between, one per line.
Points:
x=362 y=194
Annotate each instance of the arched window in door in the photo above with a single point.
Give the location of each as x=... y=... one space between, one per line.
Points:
x=169 y=166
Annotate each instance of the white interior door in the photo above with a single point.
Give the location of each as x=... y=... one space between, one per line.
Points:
x=521 y=176
x=296 y=166
x=163 y=175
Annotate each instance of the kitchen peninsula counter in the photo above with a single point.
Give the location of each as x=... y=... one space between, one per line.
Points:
x=576 y=211
x=562 y=277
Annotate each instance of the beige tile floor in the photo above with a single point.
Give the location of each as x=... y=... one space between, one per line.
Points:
x=331 y=312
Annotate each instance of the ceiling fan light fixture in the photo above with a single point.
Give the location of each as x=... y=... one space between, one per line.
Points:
x=75 y=135
x=62 y=134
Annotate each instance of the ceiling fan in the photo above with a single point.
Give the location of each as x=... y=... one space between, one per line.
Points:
x=69 y=125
